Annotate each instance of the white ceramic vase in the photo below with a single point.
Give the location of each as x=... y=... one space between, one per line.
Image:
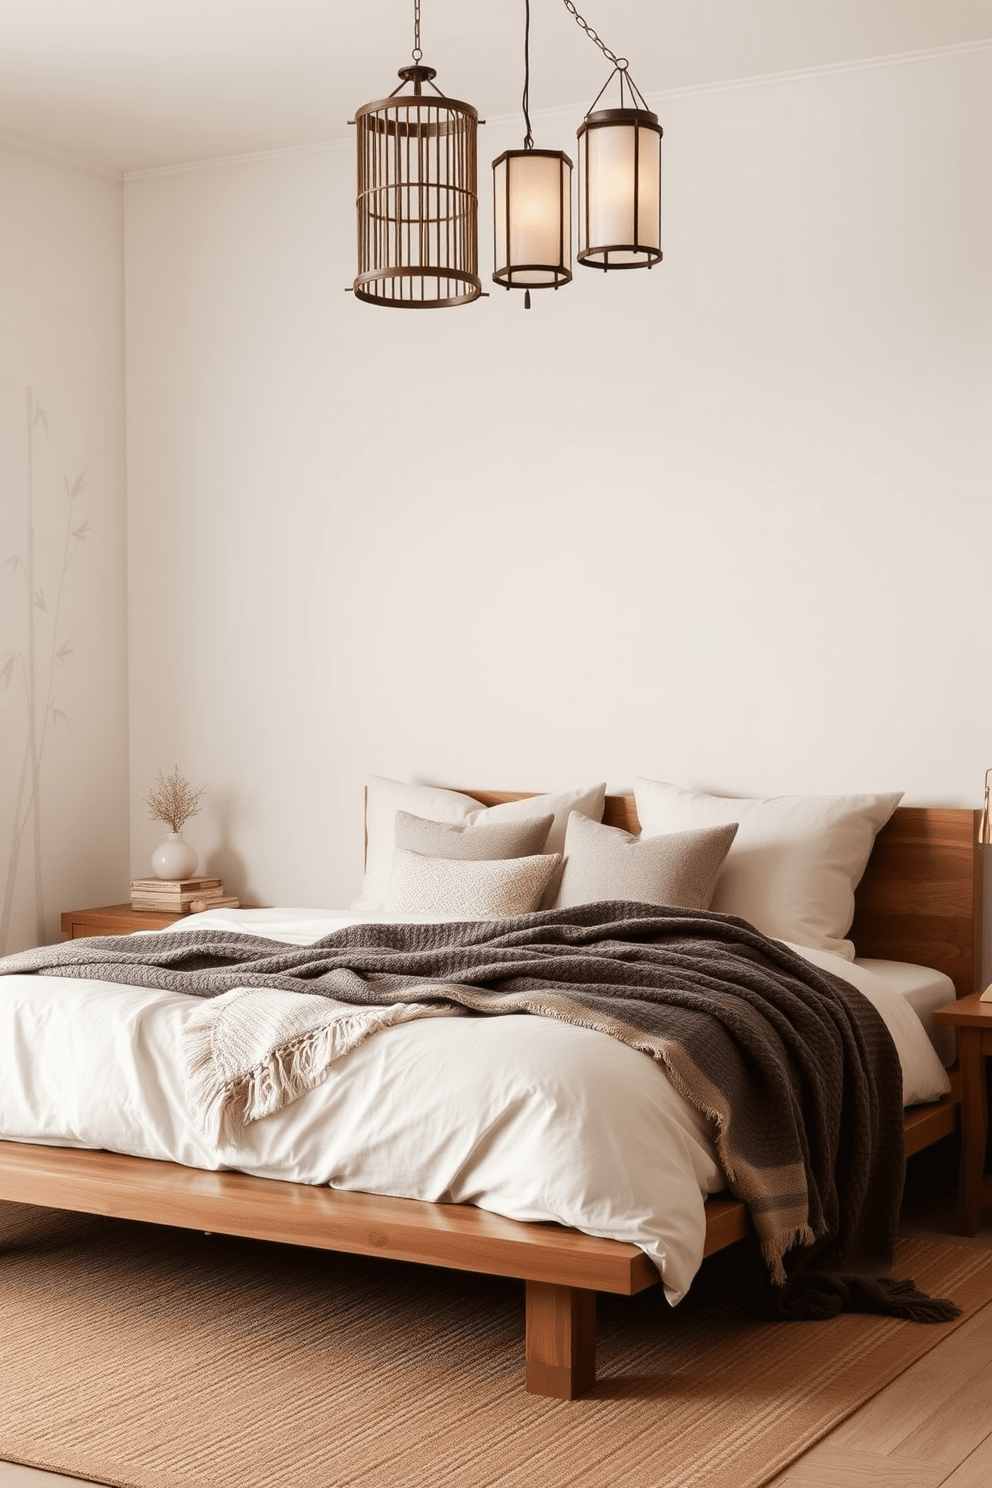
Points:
x=173 y=858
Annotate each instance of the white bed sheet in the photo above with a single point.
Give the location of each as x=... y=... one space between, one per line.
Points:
x=522 y=1115
x=925 y=990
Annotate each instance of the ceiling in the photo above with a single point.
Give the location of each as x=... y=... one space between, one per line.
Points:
x=132 y=85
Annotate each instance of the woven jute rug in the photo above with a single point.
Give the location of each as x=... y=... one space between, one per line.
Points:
x=147 y=1357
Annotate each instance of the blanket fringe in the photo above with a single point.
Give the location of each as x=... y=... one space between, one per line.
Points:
x=225 y=1107
x=775 y=1250
x=208 y=1098
x=822 y=1295
x=904 y=1299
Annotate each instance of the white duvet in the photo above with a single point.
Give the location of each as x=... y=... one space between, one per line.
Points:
x=522 y=1115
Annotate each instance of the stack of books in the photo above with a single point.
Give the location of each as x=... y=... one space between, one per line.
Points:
x=180 y=895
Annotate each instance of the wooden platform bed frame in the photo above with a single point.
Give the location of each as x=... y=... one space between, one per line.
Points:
x=918 y=902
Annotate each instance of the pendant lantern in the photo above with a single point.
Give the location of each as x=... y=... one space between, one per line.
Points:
x=418 y=205
x=619 y=174
x=532 y=219
x=532 y=208
x=620 y=189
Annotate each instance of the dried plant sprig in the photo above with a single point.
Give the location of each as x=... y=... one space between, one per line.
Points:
x=173 y=800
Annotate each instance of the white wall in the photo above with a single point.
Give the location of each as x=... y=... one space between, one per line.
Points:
x=64 y=792
x=725 y=524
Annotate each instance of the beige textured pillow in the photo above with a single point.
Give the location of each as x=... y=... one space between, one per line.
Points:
x=679 y=868
x=795 y=862
x=438 y=839
x=477 y=890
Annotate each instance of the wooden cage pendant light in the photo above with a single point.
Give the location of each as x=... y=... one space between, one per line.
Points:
x=418 y=204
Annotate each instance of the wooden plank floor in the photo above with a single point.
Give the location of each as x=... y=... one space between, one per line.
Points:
x=930 y=1428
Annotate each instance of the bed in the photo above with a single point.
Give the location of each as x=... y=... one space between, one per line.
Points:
x=916 y=903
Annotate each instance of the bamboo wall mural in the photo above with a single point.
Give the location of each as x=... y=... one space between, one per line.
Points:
x=31 y=671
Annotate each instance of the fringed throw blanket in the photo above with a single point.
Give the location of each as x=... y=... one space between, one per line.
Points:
x=794 y=1068
x=251 y=1051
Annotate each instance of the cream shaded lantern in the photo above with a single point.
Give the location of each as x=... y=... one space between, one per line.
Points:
x=532 y=219
x=620 y=189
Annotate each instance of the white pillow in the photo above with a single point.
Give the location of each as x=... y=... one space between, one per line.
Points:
x=479 y=889
x=386 y=797
x=795 y=862
x=679 y=868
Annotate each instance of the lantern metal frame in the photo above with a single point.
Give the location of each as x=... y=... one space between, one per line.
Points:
x=418 y=203
x=634 y=114
x=523 y=275
x=597 y=255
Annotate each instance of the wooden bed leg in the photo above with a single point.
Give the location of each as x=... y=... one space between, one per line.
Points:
x=561 y=1340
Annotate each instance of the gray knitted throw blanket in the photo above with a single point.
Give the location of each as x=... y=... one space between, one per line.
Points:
x=794 y=1068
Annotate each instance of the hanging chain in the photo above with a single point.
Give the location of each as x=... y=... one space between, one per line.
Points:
x=620 y=63
x=417 y=75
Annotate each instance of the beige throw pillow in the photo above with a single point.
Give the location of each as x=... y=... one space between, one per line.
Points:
x=476 y=890
x=679 y=868
x=438 y=839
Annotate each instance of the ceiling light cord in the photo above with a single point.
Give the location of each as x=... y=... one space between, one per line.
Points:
x=525 y=100
x=416 y=54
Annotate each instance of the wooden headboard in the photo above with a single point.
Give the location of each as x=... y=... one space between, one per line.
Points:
x=921 y=894
x=919 y=899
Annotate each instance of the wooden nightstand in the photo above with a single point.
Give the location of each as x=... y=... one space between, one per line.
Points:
x=113 y=919
x=972 y=1020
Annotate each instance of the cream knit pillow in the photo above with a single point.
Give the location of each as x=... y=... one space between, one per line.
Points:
x=476 y=890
